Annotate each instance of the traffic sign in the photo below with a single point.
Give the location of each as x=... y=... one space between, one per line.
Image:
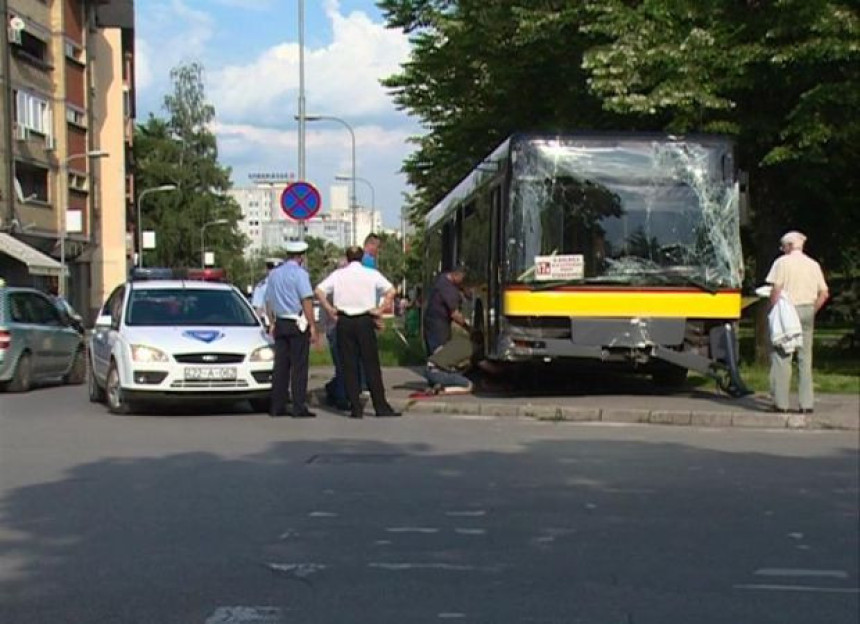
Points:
x=300 y=201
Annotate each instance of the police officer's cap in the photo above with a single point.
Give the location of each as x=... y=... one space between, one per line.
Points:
x=273 y=262
x=296 y=247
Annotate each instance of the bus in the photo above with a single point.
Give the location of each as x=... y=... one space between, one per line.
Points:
x=619 y=249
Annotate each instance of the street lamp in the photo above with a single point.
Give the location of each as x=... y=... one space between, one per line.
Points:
x=344 y=178
x=352 y=136
x=203 y=238
x=144 y=193
x=61 y=285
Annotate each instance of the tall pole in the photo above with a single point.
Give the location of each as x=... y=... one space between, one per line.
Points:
x=372 y=196
x=352 y=137
x=144 y=193
x=302 y=177
x=203 y=239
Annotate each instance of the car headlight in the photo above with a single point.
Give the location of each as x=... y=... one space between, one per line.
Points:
x=263 y=354
x=142 y=353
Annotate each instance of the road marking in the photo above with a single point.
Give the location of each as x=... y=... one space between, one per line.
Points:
x=464 y=531
x=801 y=588
x=322 y=514
x=797 y=536
x=451 y=616
x=425 y=566
x=412 y=530
x=301 y=570
x=475 y=513
x=840 y=574
x=245 y=615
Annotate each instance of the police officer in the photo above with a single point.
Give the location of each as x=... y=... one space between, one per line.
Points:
x=289 y=303
x=258 y=297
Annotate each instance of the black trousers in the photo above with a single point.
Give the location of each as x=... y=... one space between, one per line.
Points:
x=356 y=339
x=290 y=372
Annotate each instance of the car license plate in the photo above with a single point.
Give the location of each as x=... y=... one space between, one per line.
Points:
x=210 y=373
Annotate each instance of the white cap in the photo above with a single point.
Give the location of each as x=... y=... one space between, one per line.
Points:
x=273 y=262
x=296 y=247
x=795 y=238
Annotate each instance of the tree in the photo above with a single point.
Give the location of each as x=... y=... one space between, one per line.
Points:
x=182 y=150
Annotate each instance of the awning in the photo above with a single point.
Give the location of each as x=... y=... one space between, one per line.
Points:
x=37 y=262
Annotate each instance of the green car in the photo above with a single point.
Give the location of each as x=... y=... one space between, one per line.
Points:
x=38 y=341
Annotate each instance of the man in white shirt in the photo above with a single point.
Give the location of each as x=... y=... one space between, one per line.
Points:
x=355 y=291
x=800 y=279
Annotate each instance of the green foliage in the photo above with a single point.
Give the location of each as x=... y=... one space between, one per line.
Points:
x=182 y=150
x=782 y=77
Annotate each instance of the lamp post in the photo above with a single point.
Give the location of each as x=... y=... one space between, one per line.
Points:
x=64 y=172
x=203 y=239
x=144 y=193
x=352 y=136
x=343 y=178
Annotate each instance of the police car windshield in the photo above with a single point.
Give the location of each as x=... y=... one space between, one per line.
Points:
x=188 y=306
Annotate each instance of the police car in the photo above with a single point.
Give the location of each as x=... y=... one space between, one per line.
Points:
x=161 y=336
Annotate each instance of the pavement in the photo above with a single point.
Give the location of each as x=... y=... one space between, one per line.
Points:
x=605 y=399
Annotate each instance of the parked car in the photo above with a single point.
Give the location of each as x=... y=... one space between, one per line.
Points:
x=159 y=339
x=38 y=342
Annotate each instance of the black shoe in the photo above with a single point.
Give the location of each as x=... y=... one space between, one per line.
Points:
x=356 y=415
x=305 y=413
x=804 y=410
x=778 y=410
x=387 y=413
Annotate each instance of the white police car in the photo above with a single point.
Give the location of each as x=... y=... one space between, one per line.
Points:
x=168 y=339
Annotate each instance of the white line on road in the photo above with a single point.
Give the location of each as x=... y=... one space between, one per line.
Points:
x=464 y=531
x=412 y=530
x=301 y=570
x=245 y=615
x=322 y=514
x=475 y=513
x=840 y=574
x=801 y=588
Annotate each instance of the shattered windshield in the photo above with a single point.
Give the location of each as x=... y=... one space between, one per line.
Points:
x=637 y=212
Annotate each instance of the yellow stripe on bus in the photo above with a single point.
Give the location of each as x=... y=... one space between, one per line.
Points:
x=665 y=304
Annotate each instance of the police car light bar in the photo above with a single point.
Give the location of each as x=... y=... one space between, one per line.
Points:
x=142 y=274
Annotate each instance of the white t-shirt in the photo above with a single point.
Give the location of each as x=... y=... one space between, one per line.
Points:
x=355 y=289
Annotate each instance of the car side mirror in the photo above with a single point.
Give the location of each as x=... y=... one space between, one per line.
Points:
x=104 y=321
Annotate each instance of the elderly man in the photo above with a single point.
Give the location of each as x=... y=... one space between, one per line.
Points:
x=289 y=303
x=799 y=278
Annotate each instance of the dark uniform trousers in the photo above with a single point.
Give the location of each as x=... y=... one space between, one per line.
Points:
x=290 y=372
x=356 y=338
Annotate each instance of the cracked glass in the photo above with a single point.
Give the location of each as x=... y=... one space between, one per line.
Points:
x=638 y=211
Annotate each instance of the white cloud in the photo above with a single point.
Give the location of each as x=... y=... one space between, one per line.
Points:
x=186 y=35
x=341 y=76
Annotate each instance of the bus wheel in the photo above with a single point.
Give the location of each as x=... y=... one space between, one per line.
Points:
x=669 y=376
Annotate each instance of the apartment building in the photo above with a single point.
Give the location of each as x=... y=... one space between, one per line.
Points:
x=66 y=129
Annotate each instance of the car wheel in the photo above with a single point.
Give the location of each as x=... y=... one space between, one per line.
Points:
x=113 y=390
x=78 y=372
x=96 y=392
x=260 y=406
x=22 y=378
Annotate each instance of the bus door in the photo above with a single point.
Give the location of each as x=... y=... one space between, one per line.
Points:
x=494 y=279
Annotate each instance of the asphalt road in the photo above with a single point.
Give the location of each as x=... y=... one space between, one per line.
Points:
x=236 y=518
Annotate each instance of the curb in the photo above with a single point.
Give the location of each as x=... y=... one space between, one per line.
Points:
x=704 y=418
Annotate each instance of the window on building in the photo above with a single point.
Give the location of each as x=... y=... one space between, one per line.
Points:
x=76 y=116
x=33 y=113
x=33 y=48
x=74 y=51
x=34 y=181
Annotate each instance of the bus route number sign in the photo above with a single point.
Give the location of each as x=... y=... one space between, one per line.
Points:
x=566 y=267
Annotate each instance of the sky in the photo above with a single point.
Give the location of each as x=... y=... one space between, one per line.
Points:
x=249 y=51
